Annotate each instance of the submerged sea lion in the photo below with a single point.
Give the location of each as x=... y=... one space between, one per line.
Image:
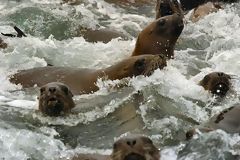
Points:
x=203 y=10
x=100 y=35
x=131 y=2
x=55 y=99
x=3 y=45
x=131 y=148
x=227 y=120
x=218 y=83
x=128 y=148
x=83 y=80
x=167 y=7
x=160 y=36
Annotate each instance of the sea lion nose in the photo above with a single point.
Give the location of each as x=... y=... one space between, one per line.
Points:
x=131 y=143
x=52 y=89
x=220 y=74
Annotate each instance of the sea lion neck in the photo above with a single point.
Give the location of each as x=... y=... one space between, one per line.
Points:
x=123 y=69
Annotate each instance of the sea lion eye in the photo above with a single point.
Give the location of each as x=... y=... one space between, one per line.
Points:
x=161 y=22
x=140 y=64
x=65 y=89
x=42 y=90
x=115 y=145
x=147 y=140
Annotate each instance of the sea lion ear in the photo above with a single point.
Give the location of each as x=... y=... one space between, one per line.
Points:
x=140 y=65
x=42 y=89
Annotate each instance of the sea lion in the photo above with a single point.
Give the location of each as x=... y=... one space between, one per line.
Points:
x=3 y=45
x=19 y=33
x=128 y=148
x=203 y=10
x=55 y=99
x=191 y=4
x=167 y=7
x=227 y=120
x=82 y=81
x=160 y=36
x=218 y=83
x=100 y=35
x=72 y=2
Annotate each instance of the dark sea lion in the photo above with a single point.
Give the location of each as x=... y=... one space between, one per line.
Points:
x=227 y=120
x=203 y=10
x=218 y=83
x=160 y=36
x=83 y=81
x=3 y=45
x=19 y=33
x=167 y=7
x=128 y=148
x=55 y=99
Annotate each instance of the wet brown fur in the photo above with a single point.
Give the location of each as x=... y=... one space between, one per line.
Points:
x=83 y=81
x=58 y=91
x=139 y=146
x=160 y=36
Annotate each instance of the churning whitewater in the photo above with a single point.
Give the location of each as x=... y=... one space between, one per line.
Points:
x=211 y=44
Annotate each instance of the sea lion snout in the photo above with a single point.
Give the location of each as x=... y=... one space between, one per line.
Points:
x=55 y=99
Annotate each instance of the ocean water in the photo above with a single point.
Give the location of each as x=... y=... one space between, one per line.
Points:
x=149 y=105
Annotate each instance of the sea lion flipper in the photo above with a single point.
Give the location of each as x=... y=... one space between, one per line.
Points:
x=19 y=32
x=8 y=35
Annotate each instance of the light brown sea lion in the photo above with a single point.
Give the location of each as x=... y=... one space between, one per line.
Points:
x=160 y=36
x=55 y=99
x=227 y=120
x=218 y=83
x=100 y=35
x=203 y=10
x=3 y=45
x=167 y=7
x=191 y=4
x=83 y=80
x=128 y=148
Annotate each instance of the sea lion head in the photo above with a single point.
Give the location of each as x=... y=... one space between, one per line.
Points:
x=160 y=36
x=218 y=83
x=55 y=99
x=135 y=148
x=139 y=65
x=203 y=10
x=167 y=7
